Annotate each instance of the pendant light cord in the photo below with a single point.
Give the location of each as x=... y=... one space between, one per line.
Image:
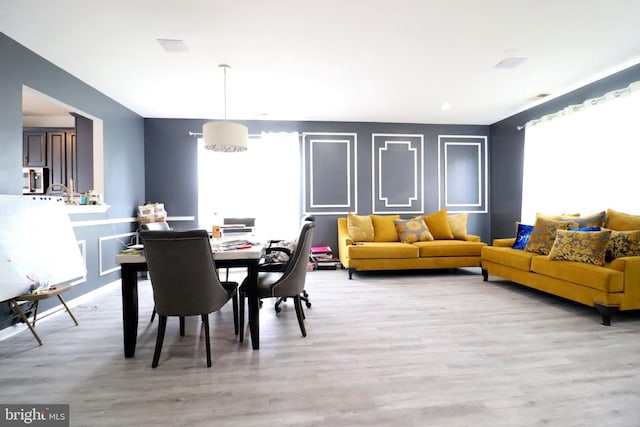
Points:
x=225 y=66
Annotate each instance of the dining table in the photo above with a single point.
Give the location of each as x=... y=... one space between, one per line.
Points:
x=133 y=262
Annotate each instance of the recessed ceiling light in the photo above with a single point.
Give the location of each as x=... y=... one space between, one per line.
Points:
x=511 y=62
x=173 y=45
x=446 y=106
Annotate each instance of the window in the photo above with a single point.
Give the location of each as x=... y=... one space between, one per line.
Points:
x=262 y=182
x=582 y=159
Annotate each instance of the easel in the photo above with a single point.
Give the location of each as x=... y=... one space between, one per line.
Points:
x=37 y=298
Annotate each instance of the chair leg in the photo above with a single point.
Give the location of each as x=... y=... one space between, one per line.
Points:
x=153 y=314
x=278 y=302
x=205 y=320
x=162 y=326
x=241 y=298
x=234 y=301
x=181 y=326
x=298 y=304
x=304 y=297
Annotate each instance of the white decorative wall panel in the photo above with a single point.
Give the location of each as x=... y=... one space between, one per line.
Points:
x=329 y=173
x=463 y=173
x=397 y=173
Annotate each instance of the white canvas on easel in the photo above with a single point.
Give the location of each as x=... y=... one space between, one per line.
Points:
x=37 y=243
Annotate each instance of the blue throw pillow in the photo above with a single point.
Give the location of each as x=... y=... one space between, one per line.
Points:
x=594 y=228
x=524 y=232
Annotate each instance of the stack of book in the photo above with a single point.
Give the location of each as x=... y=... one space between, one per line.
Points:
x=323 y=258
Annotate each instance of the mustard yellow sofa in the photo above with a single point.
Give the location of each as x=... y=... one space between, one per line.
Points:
x=395 y=255
x=608 y=288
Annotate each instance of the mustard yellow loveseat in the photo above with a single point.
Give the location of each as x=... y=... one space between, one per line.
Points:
x=396 y=255
x=609 y=288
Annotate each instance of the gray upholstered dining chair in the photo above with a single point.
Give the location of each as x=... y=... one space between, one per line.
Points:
x=185 y=281
x=272 y=261
x=288 y=283
x=160 y=225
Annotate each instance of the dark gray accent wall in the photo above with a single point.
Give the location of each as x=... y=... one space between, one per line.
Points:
x=507 y=149
x=171 y=162
x=123 y=154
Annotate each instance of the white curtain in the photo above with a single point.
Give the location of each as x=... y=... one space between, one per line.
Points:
x=583 y=159
x=262 y=182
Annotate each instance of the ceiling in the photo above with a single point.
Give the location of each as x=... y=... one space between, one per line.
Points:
x=334 y=60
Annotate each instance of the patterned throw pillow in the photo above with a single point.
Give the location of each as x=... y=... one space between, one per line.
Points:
x=561 y=217
x=438 y=225
x=589 y=247
x=623 y=243
x=593 y=228
x=544 y=234
x=522 y=237
x=412 y=230
x=360 y=227
x=595 y=220
x=458 y=225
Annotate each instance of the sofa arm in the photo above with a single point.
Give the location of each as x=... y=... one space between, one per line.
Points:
x=630 y=266
x=344 y=241
x=473 y=238
x=343 y=234
x=504 y=243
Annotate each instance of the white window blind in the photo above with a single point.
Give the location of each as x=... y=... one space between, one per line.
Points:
x=584 y=159
x=262 y=182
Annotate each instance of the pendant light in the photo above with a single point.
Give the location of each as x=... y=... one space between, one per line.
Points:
x=225 y=136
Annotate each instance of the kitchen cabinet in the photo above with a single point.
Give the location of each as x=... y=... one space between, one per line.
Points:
x=54 y=148
x=61 y=156
x=34 y=148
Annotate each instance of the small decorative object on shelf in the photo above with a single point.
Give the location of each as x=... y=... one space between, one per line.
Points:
x=323 y=258
x=151 y=212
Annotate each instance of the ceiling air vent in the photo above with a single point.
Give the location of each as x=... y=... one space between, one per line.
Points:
x=173 y=46
x=510 y=62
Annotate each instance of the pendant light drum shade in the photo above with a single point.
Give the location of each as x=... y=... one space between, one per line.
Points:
x=225 y=136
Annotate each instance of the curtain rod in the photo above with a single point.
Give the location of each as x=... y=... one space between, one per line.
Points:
x=251 y=135
x=577 y=107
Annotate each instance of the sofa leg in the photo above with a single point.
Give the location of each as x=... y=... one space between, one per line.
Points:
x=485 y=275
x=350 y=270
x=606 y=313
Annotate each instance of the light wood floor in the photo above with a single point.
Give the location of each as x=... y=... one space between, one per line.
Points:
x=385 y=349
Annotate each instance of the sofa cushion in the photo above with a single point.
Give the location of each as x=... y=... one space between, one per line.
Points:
x=621 y=221
x=382 y=250
x=588 y=275
x=505 y=255
x=560 y=217
x=360 y=227
x=623 y=243
x=449 y=248
x=589 y=247
x=412 y=230
x=544 y=234
x=384 y=230
x=522 y=236
x=595 y=220
x=458 y=225
x=439 y=225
